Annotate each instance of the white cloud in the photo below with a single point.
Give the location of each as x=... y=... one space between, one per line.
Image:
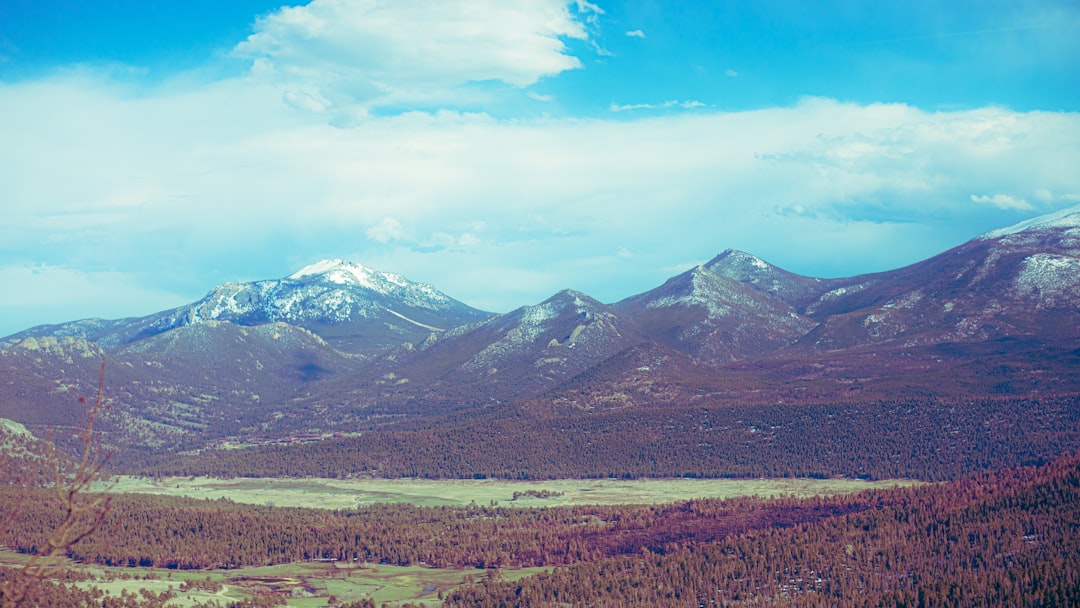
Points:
x=1002 y=201
x=499 y=213
x=636 y=34
x=341 y=53
x=540 y=97
x=386 y=231
x=310 y=101
x=730 y=73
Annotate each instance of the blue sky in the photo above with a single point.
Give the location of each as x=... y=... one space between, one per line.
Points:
x=503 y=151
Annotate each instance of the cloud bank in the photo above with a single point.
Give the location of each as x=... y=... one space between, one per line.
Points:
x=346 y=139
x=502 y=213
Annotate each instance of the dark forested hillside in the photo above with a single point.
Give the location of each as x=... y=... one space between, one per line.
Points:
x=927 y=439
x=149 y=531
x=1008 y=540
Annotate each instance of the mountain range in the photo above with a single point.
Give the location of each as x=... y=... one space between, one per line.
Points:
x=337 y=348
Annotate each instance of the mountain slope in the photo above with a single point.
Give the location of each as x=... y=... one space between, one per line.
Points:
x=509 y=356
x=996 y=318
x=1020 y=282
x=792 y=289
x=178 y=390
x=717 y=318
x=353 y=307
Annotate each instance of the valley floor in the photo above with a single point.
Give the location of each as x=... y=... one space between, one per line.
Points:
x=1002 y=538
x=346 y=494
x=305 y=584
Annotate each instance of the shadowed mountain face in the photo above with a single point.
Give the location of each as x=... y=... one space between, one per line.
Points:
x=516 y=354
x=173 y=391
x=337 y=347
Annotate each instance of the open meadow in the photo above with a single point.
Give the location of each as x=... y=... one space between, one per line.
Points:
x=346 y=494
x=304 y=584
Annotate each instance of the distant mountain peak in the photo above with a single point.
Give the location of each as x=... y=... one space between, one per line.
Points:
x=577 y=298
x=734 y=257
x=349 y=305
x=344 y=272
x=761 y=276
x=329 y=265
x=741 y=266
x=1067 y=219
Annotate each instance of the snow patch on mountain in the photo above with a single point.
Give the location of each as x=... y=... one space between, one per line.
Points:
x=835 y=294
x=345 y=273
x=533 y=317
x=414 y=322
x=338 y=271
x=750 y=259
x=908 y=300
x=1049 y=278
x=333 y=304
x=1066 y=219
x=230 y=299
x=531 y=329
x=707 y=291
x=330 y=291
x=526 y=325
x=839 y=292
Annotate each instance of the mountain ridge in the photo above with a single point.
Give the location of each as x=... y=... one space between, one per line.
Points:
x=262 y=361
x=355 y=308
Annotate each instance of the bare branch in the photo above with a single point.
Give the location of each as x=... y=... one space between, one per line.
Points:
x=83 y=511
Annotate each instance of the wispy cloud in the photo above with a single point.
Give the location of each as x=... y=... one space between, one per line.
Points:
x=1002 y=201
x=636 y=34
x=686 y=105
x=540 y=97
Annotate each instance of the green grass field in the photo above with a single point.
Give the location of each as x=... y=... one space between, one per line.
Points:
x=345 y=494
x=309 y=584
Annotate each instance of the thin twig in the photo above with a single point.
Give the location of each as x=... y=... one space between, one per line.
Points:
x=83 y=512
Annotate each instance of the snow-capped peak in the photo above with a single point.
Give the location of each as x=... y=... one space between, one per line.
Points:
x=1065 y=218
x=344 y=272
x=349 y=275
x=579 y=301
x=743 y=257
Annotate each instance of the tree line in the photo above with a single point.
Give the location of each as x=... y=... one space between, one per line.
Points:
x=182 y=533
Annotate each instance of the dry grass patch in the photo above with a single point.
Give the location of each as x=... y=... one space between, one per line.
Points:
x=347 y=494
